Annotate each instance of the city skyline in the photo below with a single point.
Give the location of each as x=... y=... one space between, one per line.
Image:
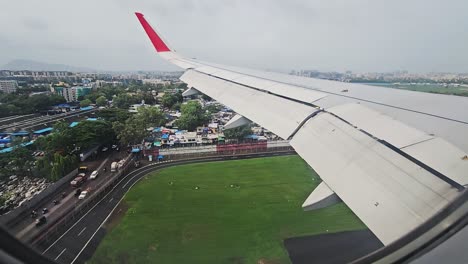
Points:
x=362 y=36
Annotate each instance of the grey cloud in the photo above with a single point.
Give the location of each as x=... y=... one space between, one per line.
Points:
x=35 y=24
x=358 y=35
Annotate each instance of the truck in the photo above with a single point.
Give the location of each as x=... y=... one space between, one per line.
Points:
x=114 y=166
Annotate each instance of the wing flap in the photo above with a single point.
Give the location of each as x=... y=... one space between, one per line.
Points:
x=389 y=193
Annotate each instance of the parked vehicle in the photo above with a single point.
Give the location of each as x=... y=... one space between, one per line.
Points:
x=93 y=175
x=41 y=220
x=45 y=210
x=114 y=166
x=104 y=149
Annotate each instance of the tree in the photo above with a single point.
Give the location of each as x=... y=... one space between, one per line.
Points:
x=89 y=133
x=170 y=99
x=150 y=116
x=85 y=102
x=113 y=114
x=134 y=129
x=122 y=101
x=212 y=108
x=192 y=116
x=101 y=101
x=93 y=96
x=238 y=132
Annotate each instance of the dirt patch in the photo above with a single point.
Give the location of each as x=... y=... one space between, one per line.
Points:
x=116 y=216
x=153 y=247
x=266 y=261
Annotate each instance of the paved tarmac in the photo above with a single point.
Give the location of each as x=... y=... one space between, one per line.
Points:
x=341 y=247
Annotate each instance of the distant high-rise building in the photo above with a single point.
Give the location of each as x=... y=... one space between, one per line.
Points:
x=8 y=86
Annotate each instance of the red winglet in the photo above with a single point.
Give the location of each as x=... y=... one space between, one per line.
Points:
x=158 y=43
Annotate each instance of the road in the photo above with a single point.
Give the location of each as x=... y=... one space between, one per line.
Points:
x=78 y=243
x=25 y=229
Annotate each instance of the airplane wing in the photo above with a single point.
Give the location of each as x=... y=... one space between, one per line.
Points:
x=395 y=157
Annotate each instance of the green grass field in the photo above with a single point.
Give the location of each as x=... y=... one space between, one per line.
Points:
x=240 y=213
x=429 y=88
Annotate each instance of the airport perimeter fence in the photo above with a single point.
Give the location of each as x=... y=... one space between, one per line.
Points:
x=224 y=149
x=59 y=226
x=12 y=218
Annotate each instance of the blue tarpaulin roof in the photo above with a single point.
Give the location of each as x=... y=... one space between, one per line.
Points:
x=63 y=105
x=74 y=124
x=158 y=129
x=91 y=119
x=135 y=150
x=11 y=148
x=86 y=108
x=5 y=140
x=41 y=131
x=251 y=136
x=20 y=133
x=165 y=136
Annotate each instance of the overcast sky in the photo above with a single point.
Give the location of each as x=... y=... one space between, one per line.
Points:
x=357 y=35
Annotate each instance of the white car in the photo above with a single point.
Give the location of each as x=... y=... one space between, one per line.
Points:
x=82 y=195
x=93 y=175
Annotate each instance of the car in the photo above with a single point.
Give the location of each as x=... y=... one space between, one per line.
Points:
x=45 y=211
x=78 y=181
x=104 y=149
x=41 y=220
x=82 y=195
x=78 y=192
x=93 y=175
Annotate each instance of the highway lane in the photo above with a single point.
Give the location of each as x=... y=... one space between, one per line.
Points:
x=78 y=243
x=25 y=228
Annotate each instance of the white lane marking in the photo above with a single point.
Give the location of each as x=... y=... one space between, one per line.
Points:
x=102 y=164
x=103 y=222
x=111 y=199
x=82 y=231
x=125 y=185
x=55 y=242
x=60 y=254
